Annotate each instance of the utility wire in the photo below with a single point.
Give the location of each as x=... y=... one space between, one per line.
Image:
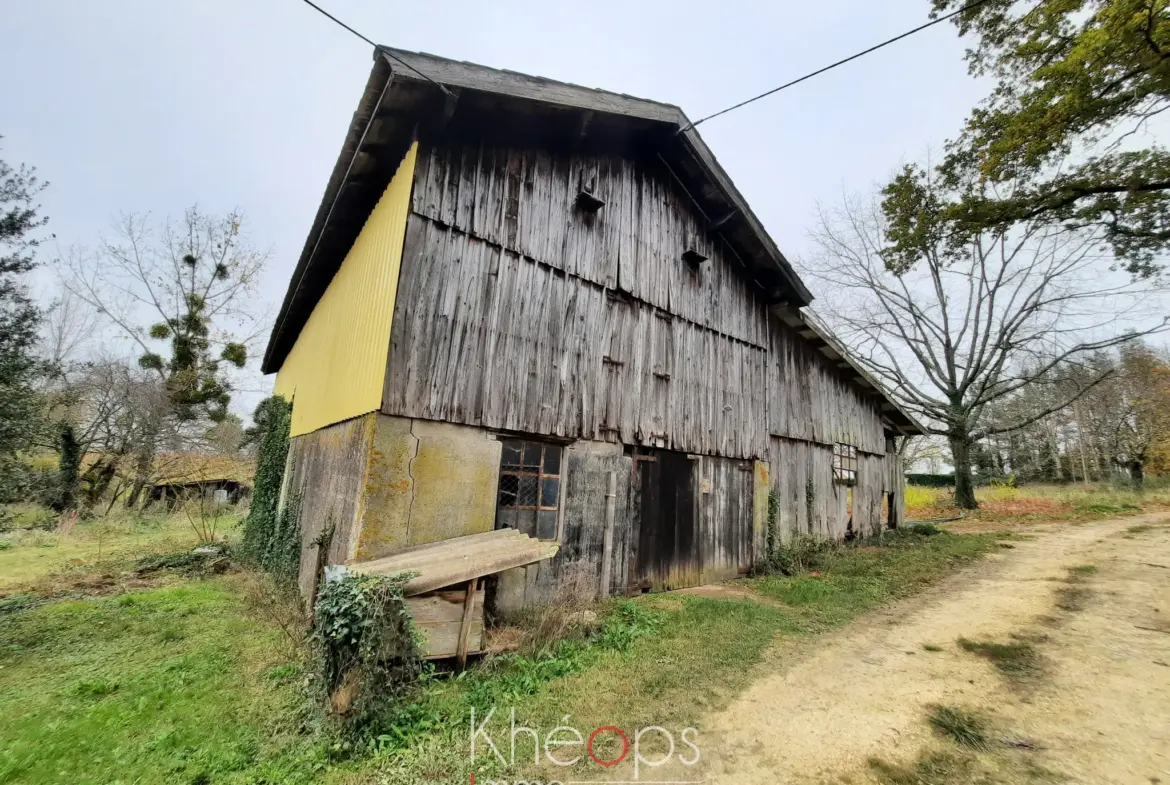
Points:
x=378 y=47
x=970 y=6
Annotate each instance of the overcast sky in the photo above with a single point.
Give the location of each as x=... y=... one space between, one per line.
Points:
x=134 y=105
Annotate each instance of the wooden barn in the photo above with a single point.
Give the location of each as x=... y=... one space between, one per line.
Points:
x=529 y=305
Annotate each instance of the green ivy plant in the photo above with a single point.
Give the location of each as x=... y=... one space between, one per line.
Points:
x=773 y=537
x=366 y=645
x=271 y=538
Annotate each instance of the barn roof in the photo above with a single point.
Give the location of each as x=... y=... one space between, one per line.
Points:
x=409 y=92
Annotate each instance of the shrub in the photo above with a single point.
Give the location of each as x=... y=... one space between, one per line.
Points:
x=803 y=553
x=931 y=480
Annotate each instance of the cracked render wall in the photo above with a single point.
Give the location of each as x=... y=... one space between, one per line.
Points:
x=325 y=476
x=387 y=483
x=427 y=481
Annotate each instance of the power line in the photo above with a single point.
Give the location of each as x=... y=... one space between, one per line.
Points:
x=970 y=6
x=378 y=47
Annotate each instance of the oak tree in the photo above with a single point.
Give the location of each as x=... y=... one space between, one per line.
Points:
x=1057 y=139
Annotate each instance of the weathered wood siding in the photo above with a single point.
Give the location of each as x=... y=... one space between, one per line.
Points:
x=517 y=311
x=869 y=495
x=725 y=513
x=722 y=497
x=523 y=200
x=577 y=567
x=809 y=399
x=810 y=502
x=488 y=337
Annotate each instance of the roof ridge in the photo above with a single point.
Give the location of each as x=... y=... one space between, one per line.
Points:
x=533 y=77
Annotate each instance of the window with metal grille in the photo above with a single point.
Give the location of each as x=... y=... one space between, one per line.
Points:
x=845 y=464
x=530 y=479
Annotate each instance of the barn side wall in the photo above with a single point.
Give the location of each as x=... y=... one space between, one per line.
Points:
x=516 y=313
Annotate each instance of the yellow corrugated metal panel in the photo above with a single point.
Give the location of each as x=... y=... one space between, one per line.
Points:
x=337 y=367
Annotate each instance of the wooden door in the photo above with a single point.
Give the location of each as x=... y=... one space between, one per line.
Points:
x=665 y=555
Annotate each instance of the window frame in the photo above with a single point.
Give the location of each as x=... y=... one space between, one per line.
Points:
x=540 y=475
x=844 y=464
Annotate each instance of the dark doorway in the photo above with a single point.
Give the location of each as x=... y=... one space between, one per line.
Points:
x=663 y=499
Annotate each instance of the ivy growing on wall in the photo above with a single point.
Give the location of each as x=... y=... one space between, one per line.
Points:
x=367 y=646
x=810 y=501
x=773 y=539
x=271 y=535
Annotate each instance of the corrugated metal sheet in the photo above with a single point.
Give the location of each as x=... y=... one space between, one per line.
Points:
x=458 y=560
x=337 y=367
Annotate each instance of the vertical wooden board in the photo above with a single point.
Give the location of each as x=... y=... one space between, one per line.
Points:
x=469 y=166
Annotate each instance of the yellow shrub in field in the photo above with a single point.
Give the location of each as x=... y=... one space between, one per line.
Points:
x=918 y=496
x=997 y=493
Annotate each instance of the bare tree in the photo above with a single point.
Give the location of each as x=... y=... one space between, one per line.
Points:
x=966 y=327
x=67 y=326
x=182 y=296
x=1141 y=421
x=928 y=451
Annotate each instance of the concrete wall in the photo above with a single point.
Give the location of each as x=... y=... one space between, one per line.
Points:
x=427 y=481
x=324 y=476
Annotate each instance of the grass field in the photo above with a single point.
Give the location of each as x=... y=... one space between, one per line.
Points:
x=1039 y=502
x=192 y=681
x=165 y=685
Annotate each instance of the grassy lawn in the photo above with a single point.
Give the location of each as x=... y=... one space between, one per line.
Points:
x=29 y=554
x=192 y=682
x=165 y=685
x=672 y=659
x=1040 y=503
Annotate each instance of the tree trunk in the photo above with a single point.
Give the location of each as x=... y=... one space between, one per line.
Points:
x=141 y=474
x=1136 y=474
x=69 y=468
x=964 y=485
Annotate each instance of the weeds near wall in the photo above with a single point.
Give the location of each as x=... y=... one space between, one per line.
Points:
x=803 y=554
x=271 y=535
x=366 y=647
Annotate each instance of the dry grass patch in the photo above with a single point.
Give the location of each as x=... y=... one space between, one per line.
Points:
x=965 y=728
x=1019 y=660
x=932 y=768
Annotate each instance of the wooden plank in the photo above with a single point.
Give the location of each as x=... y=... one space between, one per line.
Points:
x=439 y=618
x=465 y=624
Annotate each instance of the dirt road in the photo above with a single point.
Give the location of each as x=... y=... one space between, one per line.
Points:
x=1099 y=712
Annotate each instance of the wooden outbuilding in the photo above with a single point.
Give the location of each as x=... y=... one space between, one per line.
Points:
x=532 y=305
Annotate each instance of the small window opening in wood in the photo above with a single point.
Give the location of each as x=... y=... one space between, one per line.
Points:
x=693 y=258
x=588 y=201
x=845 y=464
x=530 y=487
